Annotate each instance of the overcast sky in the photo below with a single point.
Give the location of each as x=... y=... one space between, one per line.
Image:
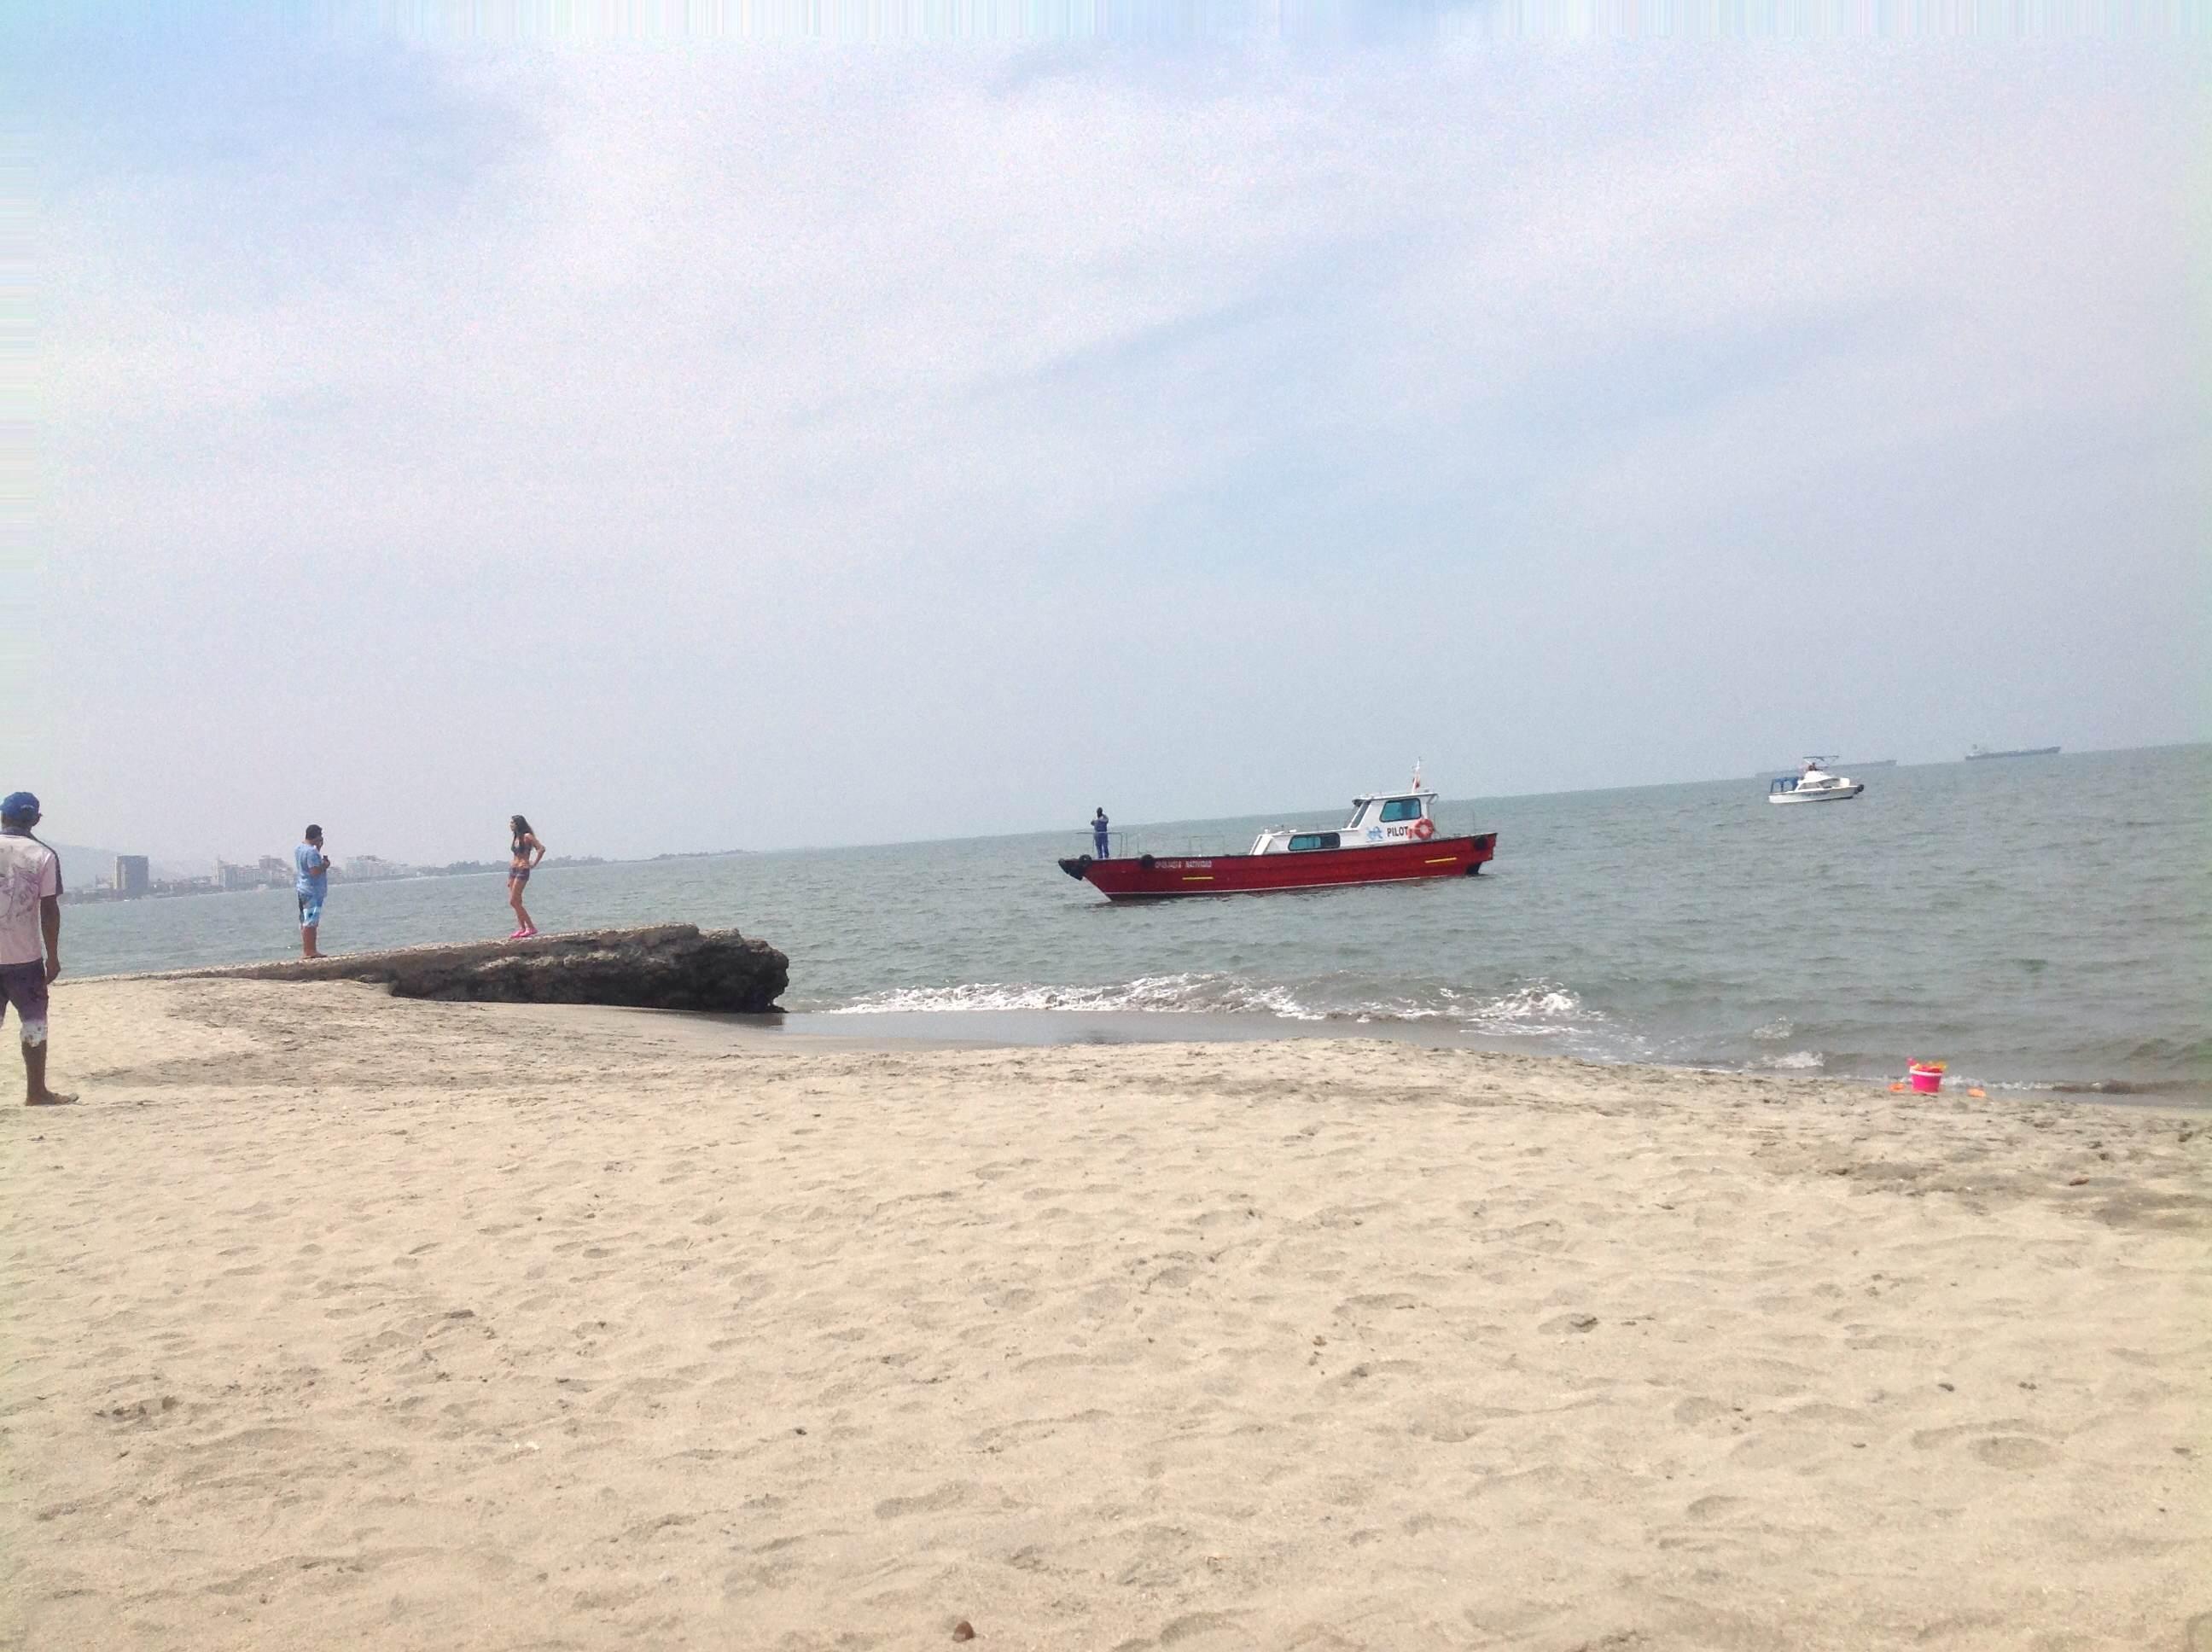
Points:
x=726 y=444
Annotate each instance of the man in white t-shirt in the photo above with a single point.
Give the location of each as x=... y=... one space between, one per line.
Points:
x=30 y=936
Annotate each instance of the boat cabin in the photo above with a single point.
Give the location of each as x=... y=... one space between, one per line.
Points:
x=1386 y=817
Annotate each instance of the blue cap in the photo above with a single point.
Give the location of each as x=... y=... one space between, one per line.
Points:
x=18 y=806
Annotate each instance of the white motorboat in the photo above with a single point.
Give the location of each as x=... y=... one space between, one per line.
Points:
x=1814 y=785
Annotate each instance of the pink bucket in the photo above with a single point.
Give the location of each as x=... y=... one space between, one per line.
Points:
x=1927 y=1077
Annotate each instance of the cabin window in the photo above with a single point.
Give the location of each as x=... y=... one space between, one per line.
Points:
x=1401 y=809
x=1314 y=841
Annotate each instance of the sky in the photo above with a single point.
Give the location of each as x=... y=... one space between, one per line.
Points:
x=697 y=443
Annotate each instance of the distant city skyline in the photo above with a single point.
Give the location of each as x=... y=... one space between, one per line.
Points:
x=725 y=445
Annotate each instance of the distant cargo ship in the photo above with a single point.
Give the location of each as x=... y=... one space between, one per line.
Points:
x=1981 y=751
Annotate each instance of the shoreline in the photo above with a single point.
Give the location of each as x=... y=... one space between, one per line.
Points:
x=484 y=1326
x=1053 y=1029
x=992 y=1028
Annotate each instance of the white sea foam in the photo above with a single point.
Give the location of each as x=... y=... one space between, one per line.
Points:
x=1538 y=1009
x=1537 y=1006
x=1184 y=992
x=1796 y=1061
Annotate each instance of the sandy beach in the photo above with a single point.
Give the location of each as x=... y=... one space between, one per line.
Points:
x=335 y=1321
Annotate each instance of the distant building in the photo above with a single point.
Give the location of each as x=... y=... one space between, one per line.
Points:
x=268 y=872
x=365 y=866
x=132 y=876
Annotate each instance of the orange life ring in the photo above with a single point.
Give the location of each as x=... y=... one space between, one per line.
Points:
x=1424 y=830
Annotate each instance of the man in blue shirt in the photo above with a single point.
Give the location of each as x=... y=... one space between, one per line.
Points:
x=311 y=885
x=1098 y=838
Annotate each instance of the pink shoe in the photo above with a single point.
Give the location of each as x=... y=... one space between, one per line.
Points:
x=522 y=934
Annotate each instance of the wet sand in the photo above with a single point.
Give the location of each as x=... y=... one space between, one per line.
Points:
x=337 y=1321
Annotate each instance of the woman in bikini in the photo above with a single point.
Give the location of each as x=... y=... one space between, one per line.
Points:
x=523 y=855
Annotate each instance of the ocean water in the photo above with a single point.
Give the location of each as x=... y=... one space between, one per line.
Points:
x=2037 y=922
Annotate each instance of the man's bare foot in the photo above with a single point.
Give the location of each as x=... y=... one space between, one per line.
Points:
x=49 y=1098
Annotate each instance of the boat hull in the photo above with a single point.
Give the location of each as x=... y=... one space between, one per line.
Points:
x=1825 y=794
x=1156 y=878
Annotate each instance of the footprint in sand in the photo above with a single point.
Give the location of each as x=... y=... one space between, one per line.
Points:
x=1193 y=1624
x=1394 y=1299
x=2015 y=1451
x=946 y=1496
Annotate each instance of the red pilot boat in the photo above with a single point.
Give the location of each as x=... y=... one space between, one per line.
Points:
x=1391 y=838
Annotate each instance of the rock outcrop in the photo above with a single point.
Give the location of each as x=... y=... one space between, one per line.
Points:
x=672 y=967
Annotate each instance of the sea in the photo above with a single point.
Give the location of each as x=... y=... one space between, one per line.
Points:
x=2036 y=924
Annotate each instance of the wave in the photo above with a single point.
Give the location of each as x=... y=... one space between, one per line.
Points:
x=1538 y=1008
x=1538 y=1011
x=1796 y=1061
x=2127 y=1086
x=1185 y=992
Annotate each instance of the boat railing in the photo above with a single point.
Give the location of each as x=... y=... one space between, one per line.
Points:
x=1127 y=846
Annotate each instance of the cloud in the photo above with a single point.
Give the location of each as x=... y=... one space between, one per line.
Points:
x=644 y=435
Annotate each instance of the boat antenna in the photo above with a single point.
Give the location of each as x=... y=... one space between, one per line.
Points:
x=1416 y=774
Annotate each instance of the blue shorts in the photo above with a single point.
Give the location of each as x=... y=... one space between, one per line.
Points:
x=311 y=911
